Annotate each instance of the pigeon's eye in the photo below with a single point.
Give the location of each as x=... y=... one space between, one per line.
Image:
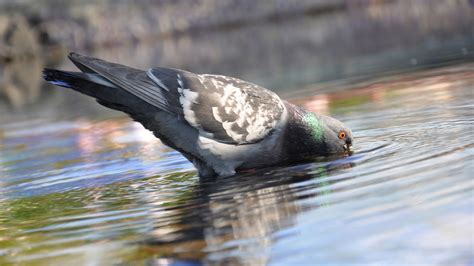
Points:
x=342 y=134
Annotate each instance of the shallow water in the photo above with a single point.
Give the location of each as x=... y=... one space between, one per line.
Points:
x=88 y=191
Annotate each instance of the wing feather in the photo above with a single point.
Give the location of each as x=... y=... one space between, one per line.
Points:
x=132 y=80
x=236 y=111
x=221 y=108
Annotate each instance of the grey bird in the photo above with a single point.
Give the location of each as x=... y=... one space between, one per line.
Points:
x=221 y=124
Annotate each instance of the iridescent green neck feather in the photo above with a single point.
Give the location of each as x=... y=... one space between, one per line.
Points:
x=315 y=125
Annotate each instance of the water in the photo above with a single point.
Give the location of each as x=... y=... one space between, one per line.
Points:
x=105 y=191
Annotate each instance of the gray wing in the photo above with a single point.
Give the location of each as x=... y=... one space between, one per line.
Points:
x=135 y=81
x=235 y=111
x=221 y=108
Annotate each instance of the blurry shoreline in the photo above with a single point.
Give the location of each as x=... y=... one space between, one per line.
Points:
x=277 y=44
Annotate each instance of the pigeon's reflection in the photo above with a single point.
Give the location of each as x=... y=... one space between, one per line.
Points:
x=234 y=220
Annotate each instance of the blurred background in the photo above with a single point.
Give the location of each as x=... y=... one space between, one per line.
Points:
x=282 y=45
x=81 y=184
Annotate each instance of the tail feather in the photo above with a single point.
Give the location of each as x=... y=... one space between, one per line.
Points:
x=85 y=83
x=59 y=78
x=103 y=91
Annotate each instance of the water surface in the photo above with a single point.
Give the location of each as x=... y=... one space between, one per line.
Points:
x=105 y=191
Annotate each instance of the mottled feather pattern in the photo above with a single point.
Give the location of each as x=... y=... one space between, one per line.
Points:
x=235 y=111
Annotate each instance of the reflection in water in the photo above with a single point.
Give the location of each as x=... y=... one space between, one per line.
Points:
x=239 y=213
x=107 y=192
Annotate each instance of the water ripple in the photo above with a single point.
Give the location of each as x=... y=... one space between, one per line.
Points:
x=110 y=190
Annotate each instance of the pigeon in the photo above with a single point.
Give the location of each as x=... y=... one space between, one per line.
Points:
x=222 y=125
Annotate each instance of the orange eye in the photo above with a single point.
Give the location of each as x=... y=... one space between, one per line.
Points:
x=342 y=134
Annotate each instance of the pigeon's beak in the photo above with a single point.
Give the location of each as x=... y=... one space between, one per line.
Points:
x=348 y=147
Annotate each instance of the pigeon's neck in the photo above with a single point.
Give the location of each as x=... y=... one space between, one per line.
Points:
x=304 y=135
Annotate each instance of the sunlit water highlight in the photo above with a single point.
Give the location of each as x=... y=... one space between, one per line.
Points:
x=86 y=191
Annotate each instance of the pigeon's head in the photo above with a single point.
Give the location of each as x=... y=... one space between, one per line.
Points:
x=330 y=135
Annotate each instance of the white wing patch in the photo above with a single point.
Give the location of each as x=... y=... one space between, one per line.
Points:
x=235 y=101
x=246 y=111
x=222 y=108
